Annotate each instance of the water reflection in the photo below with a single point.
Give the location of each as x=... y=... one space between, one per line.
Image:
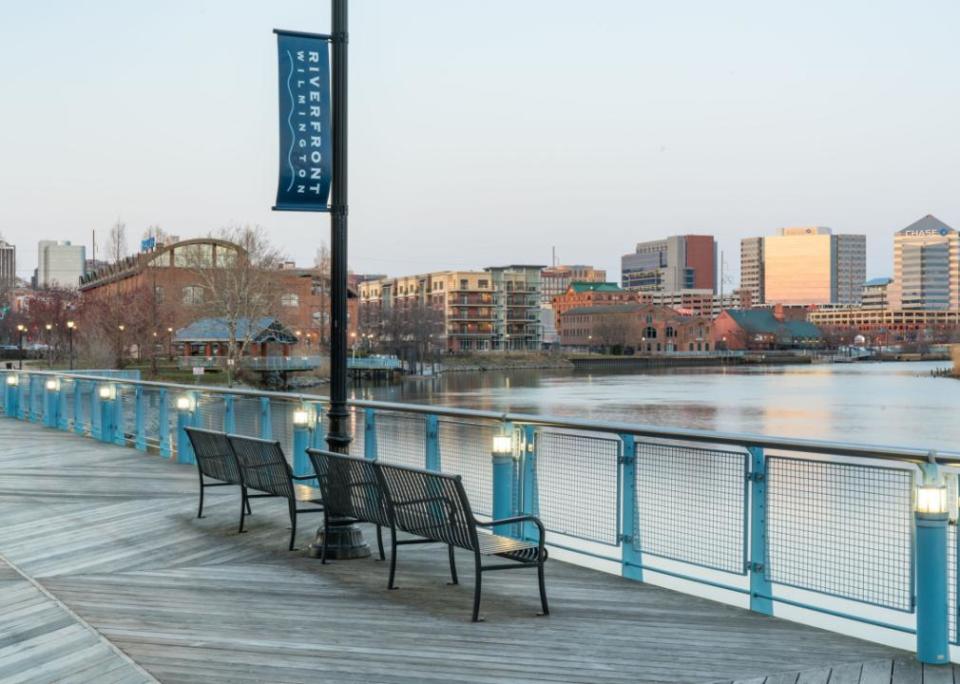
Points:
x=889 y=403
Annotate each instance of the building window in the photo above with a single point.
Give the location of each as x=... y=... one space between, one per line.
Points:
x=483 y=284
x=290 y=299
x=158 y=294
x=192 y=295
x=650 y=332
x=463 y=284
x=671 y=332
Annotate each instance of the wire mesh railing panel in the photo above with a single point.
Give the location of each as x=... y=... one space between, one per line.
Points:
x=578 y=484
x=127 y=405
x=401 y=438
x=82 y=406
x=151 y=415
x=841 y=529
x=36 y=398
x=210 y=411
x=281 y=425
x=246 y=415
x=952 y=617
x=465 y=448
x=692 y=504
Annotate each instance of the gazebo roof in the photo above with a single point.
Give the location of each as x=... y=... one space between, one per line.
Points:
x=264 y=329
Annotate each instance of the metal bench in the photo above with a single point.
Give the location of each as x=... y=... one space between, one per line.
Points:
x=215 y=461
x=351 y=492
x=434 y=507
x=264 y=468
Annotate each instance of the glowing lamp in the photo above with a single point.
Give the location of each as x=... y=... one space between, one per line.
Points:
x=108 y=392
x=184 y=402
x=503 y=444
x=301 y=417
x=13 y=380
x=53 y=385
x=931 y=499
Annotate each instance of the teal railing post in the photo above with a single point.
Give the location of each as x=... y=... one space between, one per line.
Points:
x=369 y=434
x=266 y=427
x=119 y=425
x=78 y=406
x=50 y=403
x=760 y=592
x=23 y=402
x=503 y=464
x=140 y=440
x=63 y=419
x=12 y=388
x=301 y=441
x=163 y=423
x=432 y=442
x=931 y=567
x=530 y=494
x=630 y=555
x=186 y=405
x=96 y=414
x=229 y=414
x=318 y=438
x=108 y=418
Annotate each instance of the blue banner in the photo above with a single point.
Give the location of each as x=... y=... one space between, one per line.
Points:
x=306 y=141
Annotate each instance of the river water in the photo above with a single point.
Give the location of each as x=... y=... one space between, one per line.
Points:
x=878 y=403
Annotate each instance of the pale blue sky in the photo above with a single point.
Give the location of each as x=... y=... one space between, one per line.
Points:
x=486 y=132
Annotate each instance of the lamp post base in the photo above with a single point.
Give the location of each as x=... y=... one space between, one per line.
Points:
x=345 y=542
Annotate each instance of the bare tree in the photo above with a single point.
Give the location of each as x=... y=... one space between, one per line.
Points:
x=321 y=263
x=117 y=241
x=614 y=331
x=411 y=332
x=161 y=236
x=238 y=287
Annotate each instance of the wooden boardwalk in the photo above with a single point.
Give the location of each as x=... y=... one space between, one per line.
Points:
x=115 y=562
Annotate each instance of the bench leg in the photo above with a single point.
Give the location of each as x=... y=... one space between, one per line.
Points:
x=478 y=574
x=380 y=543
x=200 y=510
x=249 y=510
x=293 y=523
x=453 y=565
x=543 y=590
x=243 y=505
x=393 y=561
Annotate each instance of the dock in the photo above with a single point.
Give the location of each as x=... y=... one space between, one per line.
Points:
x=109 y=576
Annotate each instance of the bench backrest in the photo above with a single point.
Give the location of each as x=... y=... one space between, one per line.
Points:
x=351 y=487
x=262 y=465
x=429 y=504
x=215 y=458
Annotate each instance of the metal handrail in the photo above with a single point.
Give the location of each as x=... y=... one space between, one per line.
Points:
x=908 y=454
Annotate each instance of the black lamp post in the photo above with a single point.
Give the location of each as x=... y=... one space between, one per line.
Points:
x=70 y=326
x=346 y=540
x=20 y=329
x=49 y=329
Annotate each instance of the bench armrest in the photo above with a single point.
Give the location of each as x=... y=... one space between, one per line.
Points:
x=303 y=477
x=519 y=518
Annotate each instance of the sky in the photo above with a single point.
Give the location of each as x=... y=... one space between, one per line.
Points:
x=485 y=133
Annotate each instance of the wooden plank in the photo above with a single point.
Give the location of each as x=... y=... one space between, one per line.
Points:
x=783 y=678
x=821 y=675
x=877 y=671
x=907 y=671
x=937 y=674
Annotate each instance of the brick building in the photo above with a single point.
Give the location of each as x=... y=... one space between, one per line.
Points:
x=644 y=328
x=585 y=294
x=168 y=277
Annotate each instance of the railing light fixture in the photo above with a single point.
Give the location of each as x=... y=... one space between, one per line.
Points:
x=13 y=380
x=185 y=402
x=503 y=444
x=53 y=385
x=932 y=499
x=108 y=392
x=301 y=417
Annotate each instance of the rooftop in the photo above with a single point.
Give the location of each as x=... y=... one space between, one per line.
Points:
x=109 y=576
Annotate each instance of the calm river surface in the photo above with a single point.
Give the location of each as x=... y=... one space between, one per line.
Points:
x=879 y=403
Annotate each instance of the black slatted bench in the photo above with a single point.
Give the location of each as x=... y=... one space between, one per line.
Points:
x=215 y=461
x=429 y=505
x=264 y=468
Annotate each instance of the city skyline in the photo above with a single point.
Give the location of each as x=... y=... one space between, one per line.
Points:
x=712 y=141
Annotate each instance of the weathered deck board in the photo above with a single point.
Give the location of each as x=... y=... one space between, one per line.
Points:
x=112 y=534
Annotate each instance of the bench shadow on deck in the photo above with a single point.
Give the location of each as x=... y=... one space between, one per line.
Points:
x=112 y=533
